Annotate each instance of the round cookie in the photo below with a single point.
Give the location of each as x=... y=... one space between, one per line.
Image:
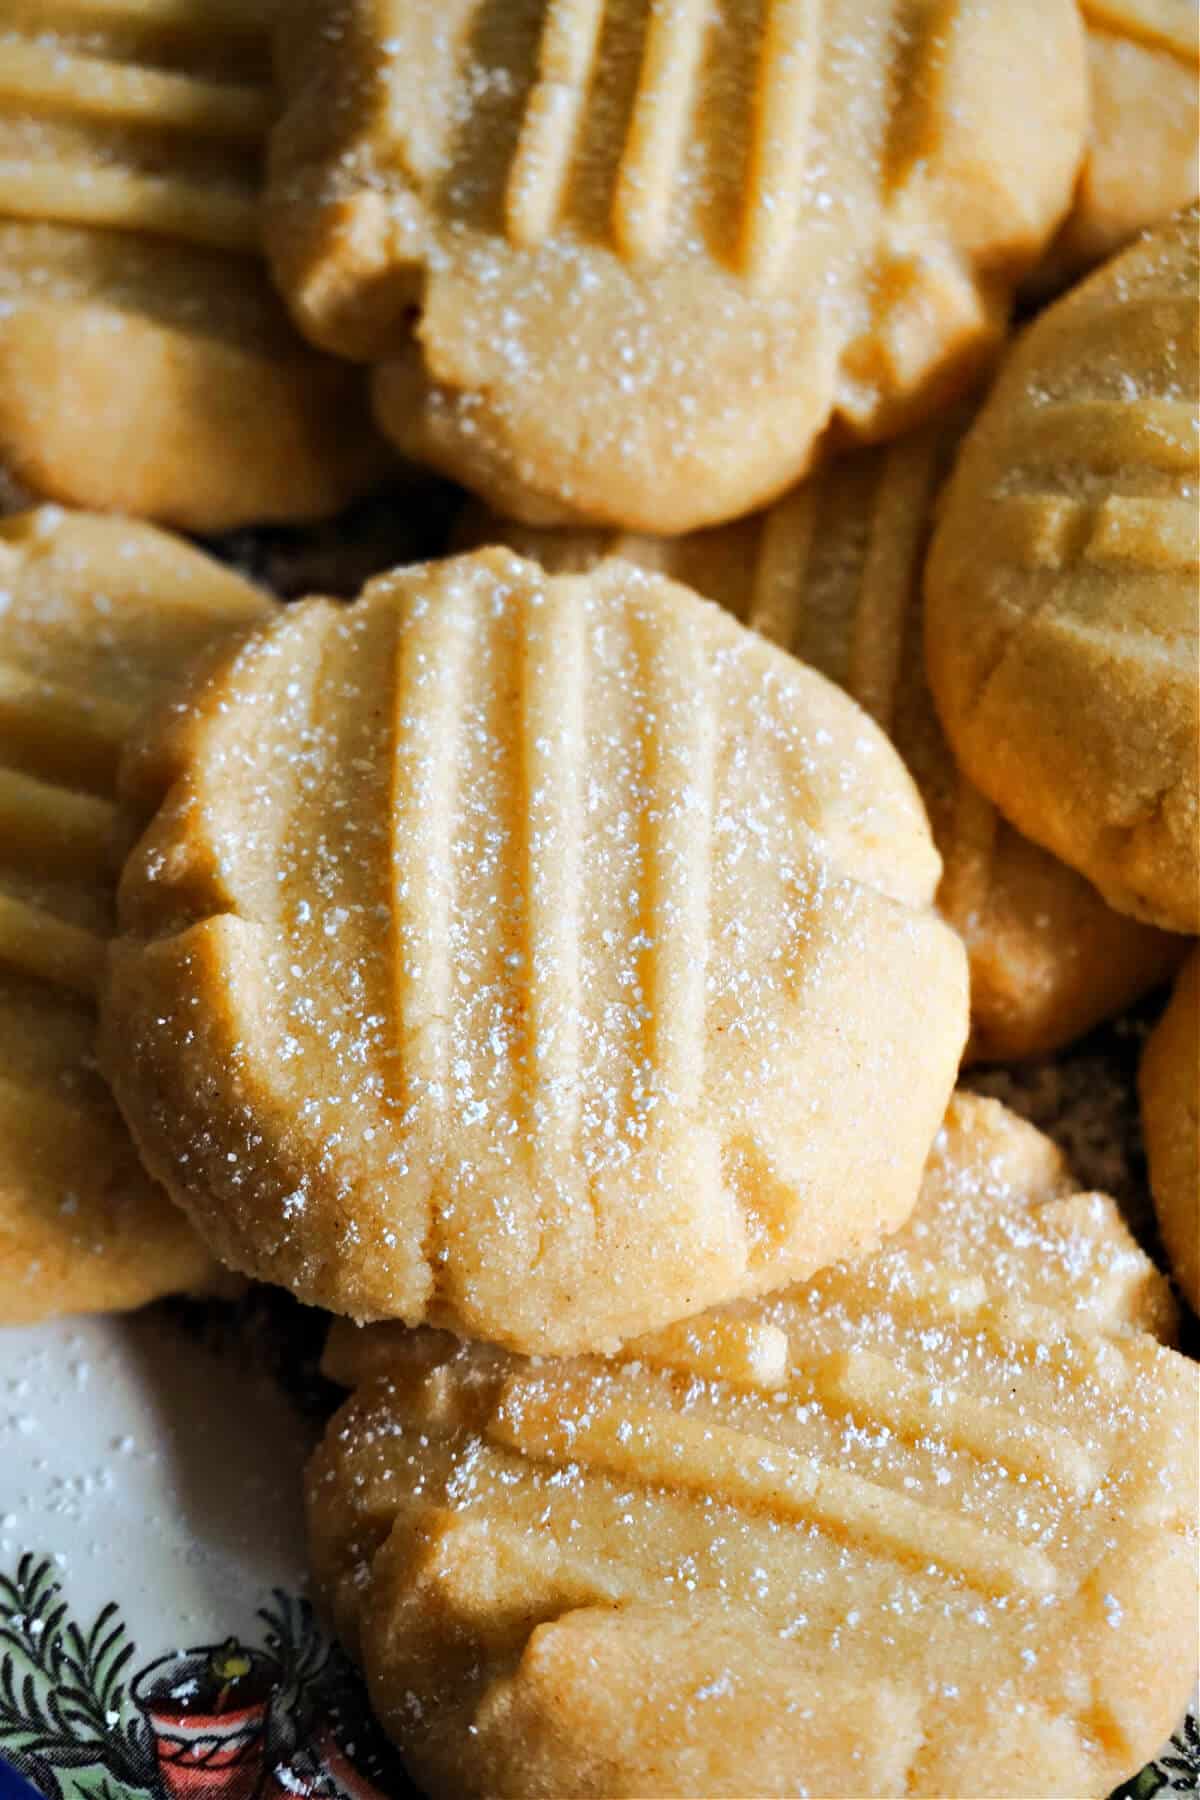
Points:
x=627 y=263
x=832 y=572
x=1170 y=1090
x=1061 y=618
x=146 y=365
x=1141 y=163
x=924 y=1525
x=99 y=618
x=543 y=958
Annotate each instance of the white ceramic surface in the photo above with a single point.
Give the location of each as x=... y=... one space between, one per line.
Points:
x=154 y=1637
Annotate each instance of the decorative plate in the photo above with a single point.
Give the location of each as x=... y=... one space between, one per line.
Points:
x=155 y=1638
x=154 y=1634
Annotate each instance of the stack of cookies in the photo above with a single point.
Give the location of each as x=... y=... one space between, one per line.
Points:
x=558 y=962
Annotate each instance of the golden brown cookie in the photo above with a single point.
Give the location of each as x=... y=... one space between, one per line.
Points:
x=1170 y=1090
x=1142 y=162
x=145 y=363
x=832 y=573
x=98 y=618
x=1061 y=587
x=924 y=1525
x=627 y=262
x=541 y=958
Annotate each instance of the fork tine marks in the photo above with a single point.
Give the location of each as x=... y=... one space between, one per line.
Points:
x=554 y=680
x=890 y=579
x=657 y=136
x=566 y=61
x=777 y=599
x=50 y=948
x=784 y=106
x=680 y=756
x=94 y=88
x=221 y=218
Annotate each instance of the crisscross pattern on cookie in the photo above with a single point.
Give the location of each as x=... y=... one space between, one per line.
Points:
x=832 y=573
x=1062 y=581
x=973 y=1456
x=96 y=621
x=144 y=117
x=650 y=121
x=551 y=880
x=657 y=246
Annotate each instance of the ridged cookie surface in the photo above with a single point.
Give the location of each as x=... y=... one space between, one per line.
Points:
x=1170 y=1090
x=924 y=1525
x=98 y=619
x=1061 y=617
x=832 y=572
x=625 y=261
x=145 y=363
x=1143 y=158
x=543 y=958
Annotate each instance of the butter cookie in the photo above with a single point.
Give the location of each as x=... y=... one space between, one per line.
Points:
x=627 y=262
x=543 y=958
x=923 y=1525
x=1142 y=161
x=1061 y=616
x=146 y=364
x=97 y=619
